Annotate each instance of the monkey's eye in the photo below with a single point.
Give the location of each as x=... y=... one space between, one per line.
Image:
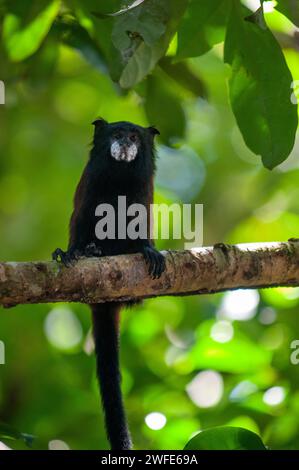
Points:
x=133 y=137
x=117 y=136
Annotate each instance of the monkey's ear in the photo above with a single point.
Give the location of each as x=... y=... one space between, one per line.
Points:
x=99 y=122
x=153 y=131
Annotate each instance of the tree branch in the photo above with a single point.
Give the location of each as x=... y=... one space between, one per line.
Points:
x=198 y=271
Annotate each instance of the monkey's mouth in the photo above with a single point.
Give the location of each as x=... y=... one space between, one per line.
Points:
x=123 y=152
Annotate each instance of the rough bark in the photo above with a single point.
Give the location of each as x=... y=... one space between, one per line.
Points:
x=198 y=271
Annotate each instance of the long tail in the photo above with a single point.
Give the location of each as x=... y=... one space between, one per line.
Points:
x=106 y=336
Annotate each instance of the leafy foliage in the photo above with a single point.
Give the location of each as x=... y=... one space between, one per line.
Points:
x=202 y=26
x=260 y=87
x=25 y=26
x=7 y=432
x=226 y=438
x=128 y=41
x=201 y=362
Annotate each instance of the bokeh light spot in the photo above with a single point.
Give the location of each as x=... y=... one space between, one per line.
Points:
x=222 y=331
x=240 y=305
x=155 y=420
x=206 y=389
x=274 y=396
x=57 y=444
x=63 y=329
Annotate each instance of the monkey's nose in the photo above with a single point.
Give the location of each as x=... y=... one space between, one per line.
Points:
x=123 y=142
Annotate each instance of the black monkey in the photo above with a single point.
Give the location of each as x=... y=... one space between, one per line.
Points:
x=122 y=162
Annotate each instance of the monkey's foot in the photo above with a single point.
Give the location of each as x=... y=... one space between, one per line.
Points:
x=66 y=257
x=92 y=250
x=155 y=261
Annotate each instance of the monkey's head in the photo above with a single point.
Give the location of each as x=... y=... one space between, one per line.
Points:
x=124 y=139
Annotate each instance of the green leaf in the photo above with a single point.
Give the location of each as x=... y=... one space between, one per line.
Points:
x=140 y=36
x=226 y=438
x=260 y=87
x=289 y=8
x=26 y=25
x=8 y=432
x=202 y=26
x=143 y=35
x=145 y=24
x=164 y=110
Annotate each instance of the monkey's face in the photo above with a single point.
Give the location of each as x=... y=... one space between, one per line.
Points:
x=124 y=144
x=124 y=141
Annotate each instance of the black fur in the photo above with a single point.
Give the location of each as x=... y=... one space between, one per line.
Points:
x=103 y=180
x=105 y=330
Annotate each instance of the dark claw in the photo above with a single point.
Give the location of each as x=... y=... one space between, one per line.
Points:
x=155 y=261
x=92 y=250
x=65 y=257
x=77 y=254
x=58 y=253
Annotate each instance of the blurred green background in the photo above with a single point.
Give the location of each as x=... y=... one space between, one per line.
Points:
x=188 y=363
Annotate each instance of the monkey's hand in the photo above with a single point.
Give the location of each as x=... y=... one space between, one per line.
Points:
x=92 y=250
x=155 y=261
x=66 y=257
x=72 y=255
